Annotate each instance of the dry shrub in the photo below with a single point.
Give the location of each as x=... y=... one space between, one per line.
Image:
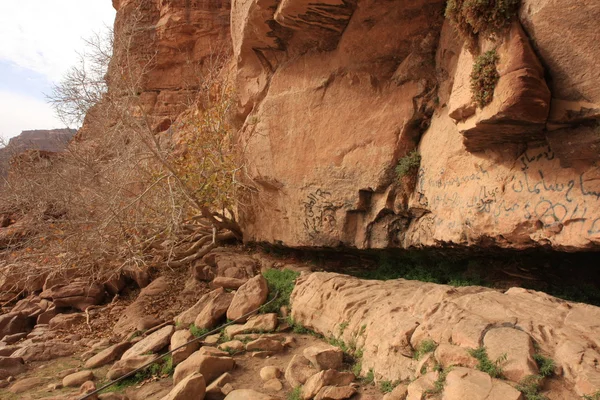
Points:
x=123 y=195
x=481 y=18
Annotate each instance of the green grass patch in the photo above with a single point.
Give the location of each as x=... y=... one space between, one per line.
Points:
x=161 y=368
x=595 y=396
x=438 y=385
x=409 y=164
x=295 y=394
x=492 y=368
x=484 y=78
x=426 y=346
x=530 y=386
x=369 y=378
x=283 y=282
x=388 y=386
x=198 y=332
x=545 y=365
x=415 y=267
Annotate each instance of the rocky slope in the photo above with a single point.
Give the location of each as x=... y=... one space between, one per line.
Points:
x=345 y=338
x=45 y=140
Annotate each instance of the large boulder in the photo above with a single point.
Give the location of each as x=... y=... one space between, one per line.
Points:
x=108 y=355
x=125 y=366
x=463 y=383
x=137 y=312
x=179 y=339
x=515 y=348
x=188 y=317
x=14 y=323
x=211 y=367
x=45 y=351
x=214 y=310
x=79 y=294
x=152 y=343
x=248 y=297
x=389 y=319
x=14 y=365
x=192 y=387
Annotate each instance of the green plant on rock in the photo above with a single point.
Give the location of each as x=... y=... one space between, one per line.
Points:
x=545 y=365
x=595 y=396
x=426 y=346
x=484 y=78
x=438 y=385
x=388 y=386
x=295 y=394
x=369 y=378
x=409 y=164
x=481 y=18
x=198 y=332
x=280 y=281
x=492 y=368
x=530 y=386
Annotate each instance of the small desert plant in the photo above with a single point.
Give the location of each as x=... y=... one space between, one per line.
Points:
x=530 y=387
x=484 y=78
x=492 y=368
x=197 y=332
x=369 y=378
x=595 y=396
x=426 y=346
x=409 y=164
x=439 y=384
x=545 y=365
x=388 y=386
x=485 y=18
x=281 y=281
x=295 y=394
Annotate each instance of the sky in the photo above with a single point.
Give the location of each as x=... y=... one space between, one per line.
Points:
x=39 y=40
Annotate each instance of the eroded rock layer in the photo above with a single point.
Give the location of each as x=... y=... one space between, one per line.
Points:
x=389 y=320
x=334 y=99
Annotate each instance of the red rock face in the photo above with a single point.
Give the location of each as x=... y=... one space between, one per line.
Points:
x=172 y=42
x=335 y=92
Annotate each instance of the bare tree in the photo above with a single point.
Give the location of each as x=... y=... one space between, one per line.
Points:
x=84 y=84
x=124 y=195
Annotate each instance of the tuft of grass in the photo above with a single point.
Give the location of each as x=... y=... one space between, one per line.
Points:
x=530 y=386
x=357 y=367
x=369 y=378
x=409 y=164
x=295 y=394
x=426 y=346
x=343 y=327
x=160 y=368
x=484 y=78
x=423 y=269
x=439 y=384
x=481 y=18
x=388 y=386
x=546 y=365
x=282 y=281
x=595 y=396
x=492 y=368
x=197 y=332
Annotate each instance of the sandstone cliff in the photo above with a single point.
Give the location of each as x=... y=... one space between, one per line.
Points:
x=335 y=93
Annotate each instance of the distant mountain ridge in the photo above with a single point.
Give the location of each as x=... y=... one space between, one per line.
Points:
x=46 y=140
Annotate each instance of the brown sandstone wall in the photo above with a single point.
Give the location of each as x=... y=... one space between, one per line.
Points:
x=334 y=92
x=328 y=121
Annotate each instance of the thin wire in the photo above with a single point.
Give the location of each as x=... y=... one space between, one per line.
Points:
x=216 y=330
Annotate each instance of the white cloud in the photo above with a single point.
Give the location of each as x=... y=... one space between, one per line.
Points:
x=19 y=113
x=42 y=38
x=43 y=35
